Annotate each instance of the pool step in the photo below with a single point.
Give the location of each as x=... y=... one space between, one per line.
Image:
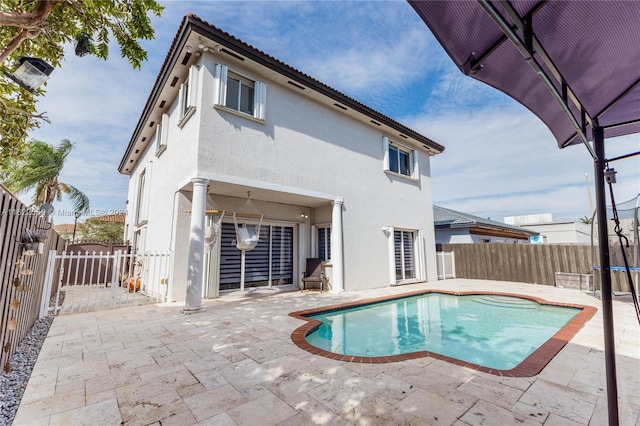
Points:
x=506 y=302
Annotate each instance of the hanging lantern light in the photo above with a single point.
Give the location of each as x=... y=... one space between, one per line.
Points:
x=30 y=73
x=14 y=304
x=12 y=324
x=82 y=45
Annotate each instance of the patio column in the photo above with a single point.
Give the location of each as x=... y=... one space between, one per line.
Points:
x=195 y=266
x=337 y=254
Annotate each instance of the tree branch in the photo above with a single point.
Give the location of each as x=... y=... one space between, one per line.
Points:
x=32 y=19
x=15 y=42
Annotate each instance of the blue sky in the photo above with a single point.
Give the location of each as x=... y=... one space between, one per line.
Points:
x=500 y=160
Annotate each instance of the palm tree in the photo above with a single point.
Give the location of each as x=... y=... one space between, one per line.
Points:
x=39 y=169
x=586 y=220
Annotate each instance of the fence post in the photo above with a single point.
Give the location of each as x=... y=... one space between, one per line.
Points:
x=48 y=283
x=114 y=277
x=453 y=263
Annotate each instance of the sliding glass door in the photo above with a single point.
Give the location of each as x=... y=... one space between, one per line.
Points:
x=270 y=263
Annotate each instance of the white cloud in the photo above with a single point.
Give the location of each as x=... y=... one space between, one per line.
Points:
x=503 y=162
x=500 y=160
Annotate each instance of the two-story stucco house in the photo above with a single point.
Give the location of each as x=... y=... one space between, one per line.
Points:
x=327 y=176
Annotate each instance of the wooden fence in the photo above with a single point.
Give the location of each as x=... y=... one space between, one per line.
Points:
x=21 y=271
x=533 y=263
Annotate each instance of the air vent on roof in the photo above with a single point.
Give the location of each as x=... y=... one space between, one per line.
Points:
x=231 y=54
x=340 y=106
x=296 y=85
x=375 y=122
x=404 y=136
x=186 y=58
x=174 y=81
x=162 y=104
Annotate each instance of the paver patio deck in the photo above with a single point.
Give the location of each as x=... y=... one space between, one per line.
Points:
x=235 y=364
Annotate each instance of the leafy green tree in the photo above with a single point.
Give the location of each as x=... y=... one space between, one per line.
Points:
x=41 y=28
x=100 y=230
x=39 y=169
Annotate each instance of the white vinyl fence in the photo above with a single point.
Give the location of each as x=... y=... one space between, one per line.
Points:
x=446 y=265
x=91 y=281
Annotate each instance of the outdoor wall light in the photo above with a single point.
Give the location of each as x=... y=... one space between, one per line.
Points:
x=188 y=48
x=31 y=73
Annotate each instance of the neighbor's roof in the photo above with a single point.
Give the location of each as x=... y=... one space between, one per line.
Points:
x=178 y=58
x=447 y=218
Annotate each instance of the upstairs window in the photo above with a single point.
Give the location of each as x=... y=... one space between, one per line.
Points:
x=399 y=159
x=161 y=135
x=187 y=97
x=239 y=93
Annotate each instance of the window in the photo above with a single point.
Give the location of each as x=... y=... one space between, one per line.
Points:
x=400 y=159
x=404 y=254
x=187 y=96
x=238 y=93
x=161 y=135
x=324 y=243
x=140 y=214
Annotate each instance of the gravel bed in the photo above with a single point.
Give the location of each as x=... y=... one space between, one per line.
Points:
x=14 y=383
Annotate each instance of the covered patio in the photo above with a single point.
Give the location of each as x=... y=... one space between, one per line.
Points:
x=235 y=363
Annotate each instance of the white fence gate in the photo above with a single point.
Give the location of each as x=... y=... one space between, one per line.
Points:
x=91 y=281
x=446 y=265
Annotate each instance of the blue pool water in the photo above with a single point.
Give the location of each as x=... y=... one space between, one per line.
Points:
x=497 y=332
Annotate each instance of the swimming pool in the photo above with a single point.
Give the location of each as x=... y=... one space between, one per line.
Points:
x=493 y=332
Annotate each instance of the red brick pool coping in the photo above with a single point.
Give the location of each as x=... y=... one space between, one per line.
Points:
x=531 y=365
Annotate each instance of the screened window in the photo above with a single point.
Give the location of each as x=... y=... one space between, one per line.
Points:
x=270 y=263
x=140 y=214
x=404 y=243
x=238 y=93
x=324 y=243
x=187 y=96
x=161 y=135
x=400 y=159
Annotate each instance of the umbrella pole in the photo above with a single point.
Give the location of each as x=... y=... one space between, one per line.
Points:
x=605 y=277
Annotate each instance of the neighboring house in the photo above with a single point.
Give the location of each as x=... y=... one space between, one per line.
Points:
x=453 y=227
x=553 y=232
x=333 y=178
x=564 y=232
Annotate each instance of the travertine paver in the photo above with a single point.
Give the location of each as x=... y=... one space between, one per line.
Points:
x=235 y=364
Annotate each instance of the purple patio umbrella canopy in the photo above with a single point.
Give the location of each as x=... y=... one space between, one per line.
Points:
x=589 y=51
x=574 y=64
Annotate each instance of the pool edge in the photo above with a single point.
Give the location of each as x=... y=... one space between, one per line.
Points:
x=530 y=366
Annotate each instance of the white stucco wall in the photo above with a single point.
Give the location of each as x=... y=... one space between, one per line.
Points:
x=563 y=232
x=304 y=146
